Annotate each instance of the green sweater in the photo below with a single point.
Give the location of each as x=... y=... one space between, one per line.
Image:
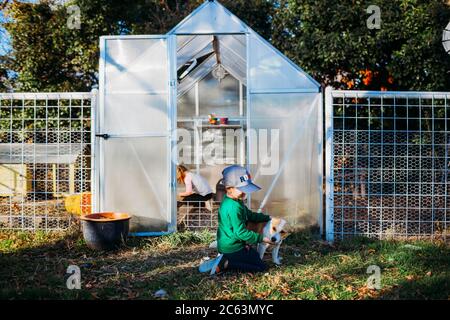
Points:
x=232 y=234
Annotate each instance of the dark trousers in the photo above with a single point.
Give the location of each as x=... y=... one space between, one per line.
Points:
x=246 y=260
x=198 y=200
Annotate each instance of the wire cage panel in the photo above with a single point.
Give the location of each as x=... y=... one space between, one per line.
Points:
x=200 y=215
x=197 y=215
x=45 y=159
x=387 y=164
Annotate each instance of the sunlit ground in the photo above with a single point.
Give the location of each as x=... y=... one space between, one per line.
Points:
x=33 y=266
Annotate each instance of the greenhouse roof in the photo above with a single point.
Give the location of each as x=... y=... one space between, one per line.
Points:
x=210 y=29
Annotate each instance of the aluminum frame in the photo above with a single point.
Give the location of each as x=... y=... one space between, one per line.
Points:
x=170 y=133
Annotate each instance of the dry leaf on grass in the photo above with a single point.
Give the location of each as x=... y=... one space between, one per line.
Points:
x=262 y=295
x=366 y=292
x=411 y=277
x=326 y=277
x=349 y=289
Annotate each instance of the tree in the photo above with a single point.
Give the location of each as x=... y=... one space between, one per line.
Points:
x=6 y=80
x=330 y=40
x=48 y=55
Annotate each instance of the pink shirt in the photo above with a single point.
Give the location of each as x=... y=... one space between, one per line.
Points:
x=195 y=183
x=188 y=182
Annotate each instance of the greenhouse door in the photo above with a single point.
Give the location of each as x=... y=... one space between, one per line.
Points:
x=134 y=137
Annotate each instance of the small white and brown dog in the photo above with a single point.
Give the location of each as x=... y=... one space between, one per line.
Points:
x=273 y=230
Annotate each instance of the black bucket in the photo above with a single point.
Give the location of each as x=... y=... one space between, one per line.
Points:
x=105 y=231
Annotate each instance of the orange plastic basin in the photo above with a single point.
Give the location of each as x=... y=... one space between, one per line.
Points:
x=106 y=217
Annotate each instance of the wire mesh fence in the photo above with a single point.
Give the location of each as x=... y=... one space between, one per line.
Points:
x=387 y=164
x=197 y=215
x=45 y=159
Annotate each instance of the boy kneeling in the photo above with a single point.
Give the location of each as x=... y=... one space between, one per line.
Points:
x=233 y=238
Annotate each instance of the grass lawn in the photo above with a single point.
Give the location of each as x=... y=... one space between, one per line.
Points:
x=33 y=266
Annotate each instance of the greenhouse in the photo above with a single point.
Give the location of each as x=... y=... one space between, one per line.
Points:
x=157 y=95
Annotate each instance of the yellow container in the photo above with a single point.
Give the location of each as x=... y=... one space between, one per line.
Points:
x=79 y=204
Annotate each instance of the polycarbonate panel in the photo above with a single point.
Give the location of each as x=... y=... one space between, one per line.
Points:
x=235 y=66
x=296 y=195
x=135 y=181
x=186 y=151
x=232 y=50
x=236 y=43
x=211 y=17
x=220 y=98
x=269 y=70
x=221 y=146
x=190 y=47
x=134 y=173
x=186 y=104
x=136 y=115
x=212 y=174
x=136 y=65
x=183 y=40
x=229 y=63
x=196 y=75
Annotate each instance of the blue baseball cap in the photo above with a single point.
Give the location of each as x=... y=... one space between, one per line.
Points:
x=238 y=177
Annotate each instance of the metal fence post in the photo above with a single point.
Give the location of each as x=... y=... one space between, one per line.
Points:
x=329 y=222
x=94 y=158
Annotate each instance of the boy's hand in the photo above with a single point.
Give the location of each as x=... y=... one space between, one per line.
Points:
x=267 y=240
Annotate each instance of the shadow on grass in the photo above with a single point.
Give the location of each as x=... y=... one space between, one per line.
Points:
x=40 y=271
x=146 y=265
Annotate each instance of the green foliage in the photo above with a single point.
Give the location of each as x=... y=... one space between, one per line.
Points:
x=330 y=40
x=5 y=79
x=47 y=55
x=30 y=121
